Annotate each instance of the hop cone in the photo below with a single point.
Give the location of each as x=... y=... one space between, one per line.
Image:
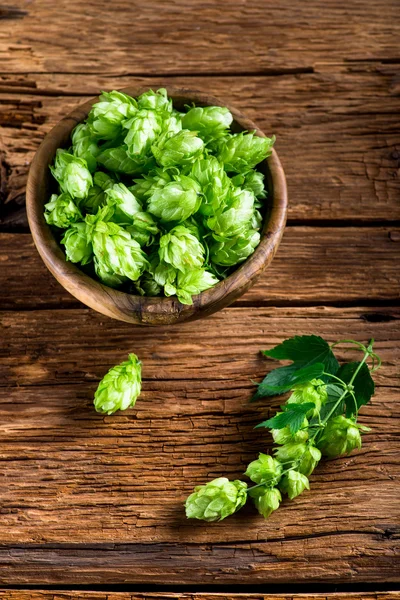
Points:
x=120 y=387
x=216 y=500
x=340 y=436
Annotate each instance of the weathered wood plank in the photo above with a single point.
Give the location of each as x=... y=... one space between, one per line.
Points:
x=99 y=499
x=74 y=595
x=337 y=132
x=200 y=36
x=313 y=265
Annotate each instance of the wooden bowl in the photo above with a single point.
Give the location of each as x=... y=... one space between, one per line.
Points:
x=141 y=309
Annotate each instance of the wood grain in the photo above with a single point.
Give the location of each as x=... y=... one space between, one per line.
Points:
x=74 y=595
x=337 y=132
x=311 y=267
x=200 y=36
x=104 y=495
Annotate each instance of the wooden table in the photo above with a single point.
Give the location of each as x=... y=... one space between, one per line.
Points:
x=96 y=501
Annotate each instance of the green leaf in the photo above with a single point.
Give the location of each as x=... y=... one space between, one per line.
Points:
x=292 y=417
x=305 y=350
x=281 y=380
x=364 y=386
x=334 y=392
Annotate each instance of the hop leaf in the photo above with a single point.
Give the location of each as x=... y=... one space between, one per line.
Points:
x=340 y=436
x=155 y=100
x=61 y=211
x=231 y=251
x=216 y=500
x=243 y=151
x=120 y=387
x=78 y=247
x=193 y=282
x=233 y=220
x=181 y=249
x=265 y=469
x=268 y=501
x=106 y=117
x=117 y=252
x=209 y=121
x=84 y=145
x=143 y=130
x=72 y=174
x=180 y=149
x=176 y=200
x=123 y=202
x=294 y=483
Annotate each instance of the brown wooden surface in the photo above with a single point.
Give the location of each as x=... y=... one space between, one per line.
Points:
x=87 y=499
x=63 y=595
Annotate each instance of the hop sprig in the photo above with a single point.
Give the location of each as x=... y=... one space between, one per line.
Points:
x=311 y=423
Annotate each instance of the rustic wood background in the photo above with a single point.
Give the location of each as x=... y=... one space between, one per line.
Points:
x=86 y=499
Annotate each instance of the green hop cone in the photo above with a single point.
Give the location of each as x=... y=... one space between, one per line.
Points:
x=285 y=436
x=193 y=282
x=147 y=285
x=214 y=183
x=143 y=228
x=118 y=160
x=231 y=251
x=252 y=181
x=216 y=500
x=93 y=201
x=120 y=387
x=165 y=276
x=340 y=436
x=61 y=211
x=143 y=130
x=210 y=122
x=117 y=252
x=233 y=220
x=267 y=501
x=180 y=149
x=72 y=174
x=104 y=180
x=181 y=249
x=84 y=145
x=265 y=469
x=309 y=460
x=123 y=202
x=313 y=391
x=107 y=276
x=241 y=152
x=106 y=117
x=141 y=188
x=175 y=201
x=155 y=100
x=290 y=452
x=172 y=124
x=293 y=484
x=256 y=220
x=78 y=248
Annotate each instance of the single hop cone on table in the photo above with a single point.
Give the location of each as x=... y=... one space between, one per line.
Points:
x=216 y=500
x=294 y=483
x=266 y=500
x=120 y=387
x=265 y=469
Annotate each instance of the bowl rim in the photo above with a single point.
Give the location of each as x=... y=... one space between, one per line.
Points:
x=143 y=309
